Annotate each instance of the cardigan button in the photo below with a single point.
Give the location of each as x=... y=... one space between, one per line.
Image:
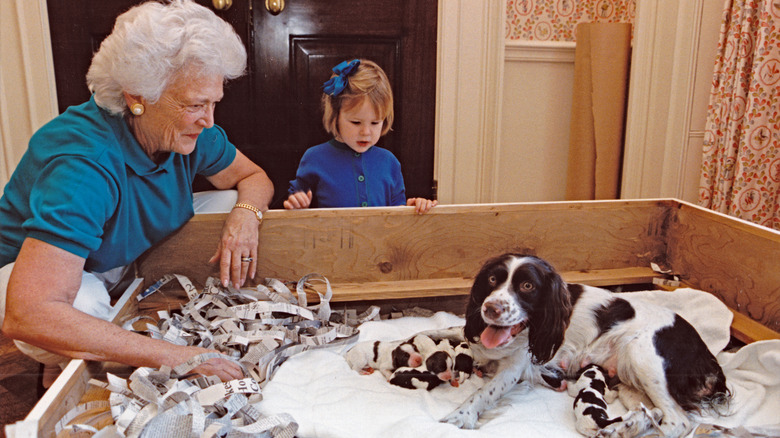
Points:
x=361 y=178
x=364 y=204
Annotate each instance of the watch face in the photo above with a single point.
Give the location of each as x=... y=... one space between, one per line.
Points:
x=252 y=208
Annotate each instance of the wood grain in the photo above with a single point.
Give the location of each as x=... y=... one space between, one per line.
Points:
x=737 y=261
x=394 y=244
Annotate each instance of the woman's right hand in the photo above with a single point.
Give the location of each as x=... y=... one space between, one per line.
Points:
x=298 y=200
x=223 y=368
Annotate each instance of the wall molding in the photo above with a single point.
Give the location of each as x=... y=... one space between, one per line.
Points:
x=539 y=51
x=678 y=145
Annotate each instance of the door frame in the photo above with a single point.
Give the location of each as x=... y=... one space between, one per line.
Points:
x=470 y=77
x=662 y=155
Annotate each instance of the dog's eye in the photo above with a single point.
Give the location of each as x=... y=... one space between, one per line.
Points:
x=526 y=286
x=492 y=280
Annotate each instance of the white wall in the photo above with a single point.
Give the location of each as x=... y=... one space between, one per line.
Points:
x=537 y=102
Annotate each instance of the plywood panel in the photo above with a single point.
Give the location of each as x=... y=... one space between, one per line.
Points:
x=737 y=261
x=394 y=244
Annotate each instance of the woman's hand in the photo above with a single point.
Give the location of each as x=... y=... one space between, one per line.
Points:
x=421 y=205
x=237 y=249
x=223 y=368
x=241 y=229
x=298 y=200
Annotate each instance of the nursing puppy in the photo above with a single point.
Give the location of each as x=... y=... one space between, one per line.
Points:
x=592 y=396
x=524 y=316
x=436 y=370
x=383 y=356
x=464 y=362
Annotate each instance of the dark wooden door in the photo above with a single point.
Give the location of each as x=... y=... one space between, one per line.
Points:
x=272 y=114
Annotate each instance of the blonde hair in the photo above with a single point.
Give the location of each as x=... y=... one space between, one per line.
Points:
x=152 y=42
x=368 y=81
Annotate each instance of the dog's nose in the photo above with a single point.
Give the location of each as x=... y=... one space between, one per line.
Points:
x=493 y=310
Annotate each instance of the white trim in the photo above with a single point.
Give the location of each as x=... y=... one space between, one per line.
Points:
x=36 y=50
x=26 y=77
x=470 y=66
x=493 y=86
x=640 y=98
x=678 y=146
x=539 y=51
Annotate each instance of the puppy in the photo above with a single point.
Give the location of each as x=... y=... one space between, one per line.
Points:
x=415 y=378
x=384 y=356
x=592 y=395
x=464 y=362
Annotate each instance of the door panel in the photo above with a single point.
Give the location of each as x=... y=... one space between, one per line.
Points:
x=273 y=113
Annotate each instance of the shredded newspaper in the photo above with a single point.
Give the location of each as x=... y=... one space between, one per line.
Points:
x=256 y=328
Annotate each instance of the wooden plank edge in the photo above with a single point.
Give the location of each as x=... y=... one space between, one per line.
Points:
x=65 y=393
x=749 y=330
x=481 y=208
x=389 y=290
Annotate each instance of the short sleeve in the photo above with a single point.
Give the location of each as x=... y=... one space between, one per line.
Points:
x=70 y=202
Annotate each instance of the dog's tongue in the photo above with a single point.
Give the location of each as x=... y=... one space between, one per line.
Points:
x=493 y=336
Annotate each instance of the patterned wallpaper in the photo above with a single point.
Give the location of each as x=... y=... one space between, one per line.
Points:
x=555 y=20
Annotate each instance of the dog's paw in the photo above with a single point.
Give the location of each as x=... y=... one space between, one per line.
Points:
x=463 y=419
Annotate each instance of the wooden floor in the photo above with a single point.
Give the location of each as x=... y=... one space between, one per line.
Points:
x=18 y=383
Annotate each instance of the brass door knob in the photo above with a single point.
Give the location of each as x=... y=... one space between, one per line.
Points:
x=274 y=6
x=222 y=5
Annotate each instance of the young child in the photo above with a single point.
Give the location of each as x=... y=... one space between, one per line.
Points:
x=350 y=170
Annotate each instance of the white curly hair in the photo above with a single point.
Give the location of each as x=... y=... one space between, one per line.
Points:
x=151 y=42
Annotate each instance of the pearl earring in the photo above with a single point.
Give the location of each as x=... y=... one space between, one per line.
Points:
x=137 y=109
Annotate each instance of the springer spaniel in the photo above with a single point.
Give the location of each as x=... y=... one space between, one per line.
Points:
x=533 y=325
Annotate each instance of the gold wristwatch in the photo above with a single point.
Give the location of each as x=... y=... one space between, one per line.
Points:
x=251 y=207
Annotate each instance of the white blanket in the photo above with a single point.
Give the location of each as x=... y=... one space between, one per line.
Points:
x=328 y=399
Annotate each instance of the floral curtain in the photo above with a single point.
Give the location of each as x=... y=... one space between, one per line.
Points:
x=741 y=161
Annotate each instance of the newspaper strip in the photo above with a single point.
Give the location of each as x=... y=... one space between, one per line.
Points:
x=257 y=328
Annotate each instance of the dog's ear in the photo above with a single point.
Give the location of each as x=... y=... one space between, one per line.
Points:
x=549 y=318
x=479 y=291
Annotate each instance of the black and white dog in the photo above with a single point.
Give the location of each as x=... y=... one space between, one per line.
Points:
x=536 y=327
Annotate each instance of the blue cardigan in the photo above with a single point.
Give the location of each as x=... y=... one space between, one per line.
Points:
x=340 y=177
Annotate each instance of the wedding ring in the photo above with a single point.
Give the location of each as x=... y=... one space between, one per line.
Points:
x=246 y=259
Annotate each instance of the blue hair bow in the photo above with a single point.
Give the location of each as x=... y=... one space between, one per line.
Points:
x=335 y=85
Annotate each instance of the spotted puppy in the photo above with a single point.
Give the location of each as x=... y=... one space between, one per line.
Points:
x=591 y=395
x=383 y=356
x=464 y=362
x=415 y=378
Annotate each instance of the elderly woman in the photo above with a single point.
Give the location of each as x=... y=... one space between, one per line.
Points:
x=106 y=180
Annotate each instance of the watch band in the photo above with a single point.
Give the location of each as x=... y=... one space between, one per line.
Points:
x=251 y=207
